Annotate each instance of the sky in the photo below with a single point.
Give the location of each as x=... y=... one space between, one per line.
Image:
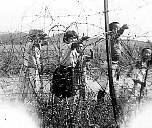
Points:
x=23 y=15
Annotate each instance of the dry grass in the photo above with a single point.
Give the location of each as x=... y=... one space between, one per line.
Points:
x=81 y=114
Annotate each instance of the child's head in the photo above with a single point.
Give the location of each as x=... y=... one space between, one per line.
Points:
x=77 y=46
x=114 y=26
x=146 y=53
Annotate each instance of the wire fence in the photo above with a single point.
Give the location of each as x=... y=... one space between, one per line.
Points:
x=15 y=80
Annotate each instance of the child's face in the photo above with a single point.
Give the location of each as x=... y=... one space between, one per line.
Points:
x=80 y=48
x=116 y=27
x=72 y=40
x=147 y=54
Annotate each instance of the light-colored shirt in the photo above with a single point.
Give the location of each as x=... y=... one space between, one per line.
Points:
x=71 y=58
x=32 y=56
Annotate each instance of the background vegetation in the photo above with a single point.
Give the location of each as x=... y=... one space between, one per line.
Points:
x=63 y=114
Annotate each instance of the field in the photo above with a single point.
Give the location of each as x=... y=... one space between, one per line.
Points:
x=15 y=86
x=93 y=113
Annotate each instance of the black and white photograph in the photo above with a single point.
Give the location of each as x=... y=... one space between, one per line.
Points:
x=75 y=64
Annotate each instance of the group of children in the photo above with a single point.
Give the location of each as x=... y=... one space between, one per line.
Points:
x=75 y=57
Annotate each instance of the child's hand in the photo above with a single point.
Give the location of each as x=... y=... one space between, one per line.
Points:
x=125 y=26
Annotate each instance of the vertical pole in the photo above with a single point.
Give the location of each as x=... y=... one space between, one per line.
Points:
x=108 y=50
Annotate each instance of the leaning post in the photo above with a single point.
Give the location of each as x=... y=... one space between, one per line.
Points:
x=109 y=61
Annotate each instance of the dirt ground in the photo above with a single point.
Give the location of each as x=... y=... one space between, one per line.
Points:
x=10 y=91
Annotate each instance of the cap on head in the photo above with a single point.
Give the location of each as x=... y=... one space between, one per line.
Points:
x=146 y=53
x=71 y=34
x=146 y=49
x=113 y=25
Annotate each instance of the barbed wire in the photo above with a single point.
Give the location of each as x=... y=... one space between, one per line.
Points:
x=58 y=27
x=48 y=15
x=63 y=28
